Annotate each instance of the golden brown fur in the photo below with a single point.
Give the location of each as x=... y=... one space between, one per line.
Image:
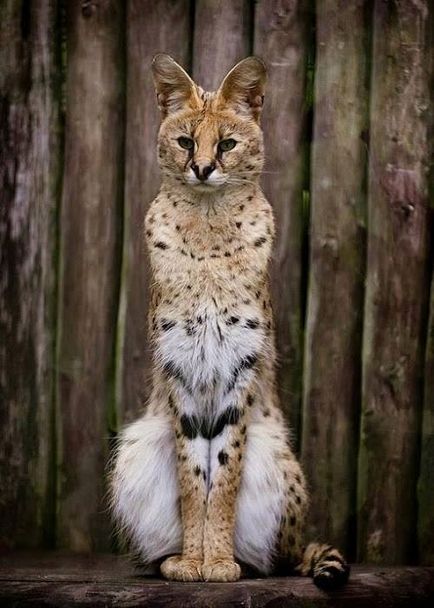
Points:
x=209 y=234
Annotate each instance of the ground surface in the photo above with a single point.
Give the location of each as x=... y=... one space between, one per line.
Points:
x=53 y=579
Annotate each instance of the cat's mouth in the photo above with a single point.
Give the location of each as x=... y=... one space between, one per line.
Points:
x=215 y=181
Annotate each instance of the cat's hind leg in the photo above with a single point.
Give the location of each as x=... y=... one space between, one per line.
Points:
x=270 y=472
x=271 y=510
x=145 y=488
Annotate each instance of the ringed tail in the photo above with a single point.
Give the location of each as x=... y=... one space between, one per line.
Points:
x=325 y=565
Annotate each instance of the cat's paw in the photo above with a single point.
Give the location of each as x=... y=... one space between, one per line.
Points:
x=221 y=570
x=177 y=568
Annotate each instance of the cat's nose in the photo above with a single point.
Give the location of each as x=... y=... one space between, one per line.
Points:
x=202 y=171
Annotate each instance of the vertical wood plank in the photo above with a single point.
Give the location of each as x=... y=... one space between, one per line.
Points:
x=336 y=273
x=90 y=250
x=163 y=27
x=280 y=38
x=222 y=32
x=426 y=476
x=29 y=180
x=397 y=281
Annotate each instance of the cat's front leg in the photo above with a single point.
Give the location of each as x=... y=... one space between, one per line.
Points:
x=192 y=455
x=226 y=457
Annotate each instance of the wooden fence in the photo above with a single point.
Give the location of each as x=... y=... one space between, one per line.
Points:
x=348 y=128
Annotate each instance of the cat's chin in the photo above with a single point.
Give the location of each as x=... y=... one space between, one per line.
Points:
x=206 y=188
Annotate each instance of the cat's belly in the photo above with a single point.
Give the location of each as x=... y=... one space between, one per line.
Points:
x=204 y=350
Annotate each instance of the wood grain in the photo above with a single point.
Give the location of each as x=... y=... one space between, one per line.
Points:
x=163 y=27
x=222 y=32
x=103 y=580
x=90 y=249
x=396 y=283
x=425 y=494
x=336 y=276
x=30 y=166
x=280 y=38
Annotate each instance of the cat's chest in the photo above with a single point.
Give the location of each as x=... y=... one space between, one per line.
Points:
x=204 y=345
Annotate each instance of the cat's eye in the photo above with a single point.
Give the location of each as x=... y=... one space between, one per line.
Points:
x=227 y=144
x=186 y=142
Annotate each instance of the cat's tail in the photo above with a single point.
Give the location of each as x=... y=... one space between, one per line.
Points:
x=325 y=565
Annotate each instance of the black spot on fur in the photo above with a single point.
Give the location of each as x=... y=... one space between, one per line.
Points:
x=189 y=327
x=223 y=457
x=259 y=242
x=252 y=323
x=246 y=363
x=161 y=245
x=166 y=324
x=232 y=320
x=197 y=471
x=189 y=426
x=238 y=224
x=250 y=399
x=230 y=416
x=174 y=372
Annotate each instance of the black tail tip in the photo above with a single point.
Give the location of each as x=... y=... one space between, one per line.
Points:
x=332 y=577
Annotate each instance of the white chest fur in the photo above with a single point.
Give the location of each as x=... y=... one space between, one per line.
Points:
x=206 y=348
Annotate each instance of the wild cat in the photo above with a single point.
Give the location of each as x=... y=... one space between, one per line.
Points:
x=206 y=478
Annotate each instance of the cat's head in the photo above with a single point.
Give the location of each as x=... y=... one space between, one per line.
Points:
x=210 y=140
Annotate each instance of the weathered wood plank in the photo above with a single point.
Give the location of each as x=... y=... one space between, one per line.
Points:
x=58 y=580
x=280 y=38
x=336 y=272
x=163 y=27
x=397 y=282
x=222 y=32
x=90 y=249
x=426 y=475
x=30 y=154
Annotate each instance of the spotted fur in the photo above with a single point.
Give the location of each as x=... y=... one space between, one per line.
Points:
x=206 y=478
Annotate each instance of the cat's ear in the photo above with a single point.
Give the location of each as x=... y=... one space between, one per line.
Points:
x=175 y=89
x=243 y=87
